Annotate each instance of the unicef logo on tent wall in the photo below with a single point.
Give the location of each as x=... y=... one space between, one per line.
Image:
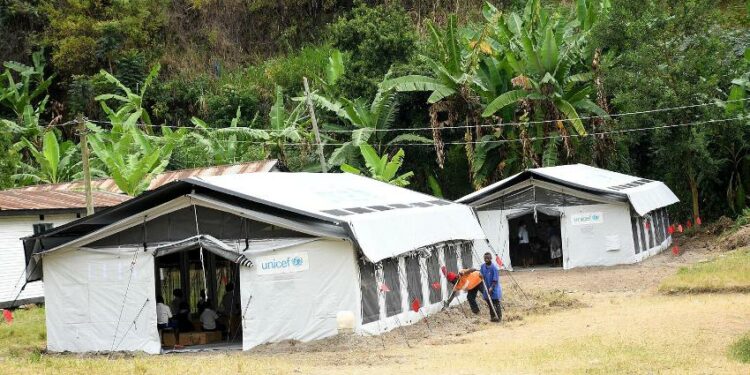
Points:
x=286 y=263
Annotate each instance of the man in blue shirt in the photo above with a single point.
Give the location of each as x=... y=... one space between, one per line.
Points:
x=491 y=279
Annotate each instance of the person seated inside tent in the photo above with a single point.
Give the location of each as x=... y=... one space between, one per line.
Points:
x=182 y=317
x=209 y=318
x=177 y=298
x=164 y=319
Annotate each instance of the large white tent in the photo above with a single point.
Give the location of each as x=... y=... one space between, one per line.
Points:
x=601 y=217
x=308 y=247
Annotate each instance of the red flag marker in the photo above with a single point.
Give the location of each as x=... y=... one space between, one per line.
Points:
x=698 y=221
x=8 y=315
x=415 y=305
x=444 y=270
x=689 y=224
x=679 y=228
x=670 y=229
x=676 y=250
x=436 y=285
x=498 y=260
x=648 y=225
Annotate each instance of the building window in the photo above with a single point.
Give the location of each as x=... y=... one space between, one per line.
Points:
x=42 y=227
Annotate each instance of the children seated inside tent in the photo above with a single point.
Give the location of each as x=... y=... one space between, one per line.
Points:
x=194 y=317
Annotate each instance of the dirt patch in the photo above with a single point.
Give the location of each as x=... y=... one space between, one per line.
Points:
x=735 y=239
x=446 y=327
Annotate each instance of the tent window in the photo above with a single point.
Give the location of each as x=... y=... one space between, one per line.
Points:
x=642 y=233
x=666 y=220
x=636 y=241
x=650 y=232
x=368 y=287
x=393 y=304
x=451 y=259
x=433 y=277
x=466 y=258
x=414 y=279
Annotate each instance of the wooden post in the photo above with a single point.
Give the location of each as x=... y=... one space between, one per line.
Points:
x=311 y=108
x=82 y=132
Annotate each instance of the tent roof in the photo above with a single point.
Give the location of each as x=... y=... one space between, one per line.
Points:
x=381 y=219
x=643 y=194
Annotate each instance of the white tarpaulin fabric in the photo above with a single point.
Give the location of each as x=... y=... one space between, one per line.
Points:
x=295 y=293
x=644 y=195
x=386 y=220
x=101 y=300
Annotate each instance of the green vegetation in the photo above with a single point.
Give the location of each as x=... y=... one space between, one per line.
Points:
x=727 y=273
x=26 y=337
x=740 y=350
x=470 y=92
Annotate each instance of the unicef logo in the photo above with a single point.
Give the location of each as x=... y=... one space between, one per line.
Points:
x=297 y=261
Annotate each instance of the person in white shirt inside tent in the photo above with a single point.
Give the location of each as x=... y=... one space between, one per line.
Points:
x=164 y=319
x=523 y=244
x=208 y=318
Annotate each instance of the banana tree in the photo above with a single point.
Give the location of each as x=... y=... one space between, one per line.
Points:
x=226 y=145
x=284 y=127
x=55 y=162
x=551 y=82
x=17 y=96
x=381 y=168
x=131 y=102
x=131 y=157
x=370 y=122
x=450 y=83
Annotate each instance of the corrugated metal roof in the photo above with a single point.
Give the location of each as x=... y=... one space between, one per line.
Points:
x=163 y=178
x=70 y=195
x=18 y=199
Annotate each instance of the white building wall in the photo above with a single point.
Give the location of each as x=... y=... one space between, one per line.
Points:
x=12 y=257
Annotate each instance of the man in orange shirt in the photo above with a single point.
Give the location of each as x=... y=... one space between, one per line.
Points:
x=468 y=280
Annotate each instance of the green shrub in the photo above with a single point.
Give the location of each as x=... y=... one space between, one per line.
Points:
x=376 y=38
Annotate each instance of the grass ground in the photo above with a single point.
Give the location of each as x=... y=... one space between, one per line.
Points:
x=740 y=350
x=622 y=328
x=728 y=272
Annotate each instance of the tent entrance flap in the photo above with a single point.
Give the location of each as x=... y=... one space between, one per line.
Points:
x=208 y=243
x=535 y=238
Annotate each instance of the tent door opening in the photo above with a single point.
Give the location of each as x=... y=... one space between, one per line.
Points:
x=535 y=240
x=181 y=273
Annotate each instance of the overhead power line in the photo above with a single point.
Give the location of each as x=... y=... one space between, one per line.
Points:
x=558 y=136
x=487 y=125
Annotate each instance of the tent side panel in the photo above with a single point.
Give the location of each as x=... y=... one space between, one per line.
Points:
x=300 y=305
x=101 y=300
x=495 y=226
x=597 y=235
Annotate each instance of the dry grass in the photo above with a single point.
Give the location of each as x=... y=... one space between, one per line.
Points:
x=617 y=334
x=729 y=272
